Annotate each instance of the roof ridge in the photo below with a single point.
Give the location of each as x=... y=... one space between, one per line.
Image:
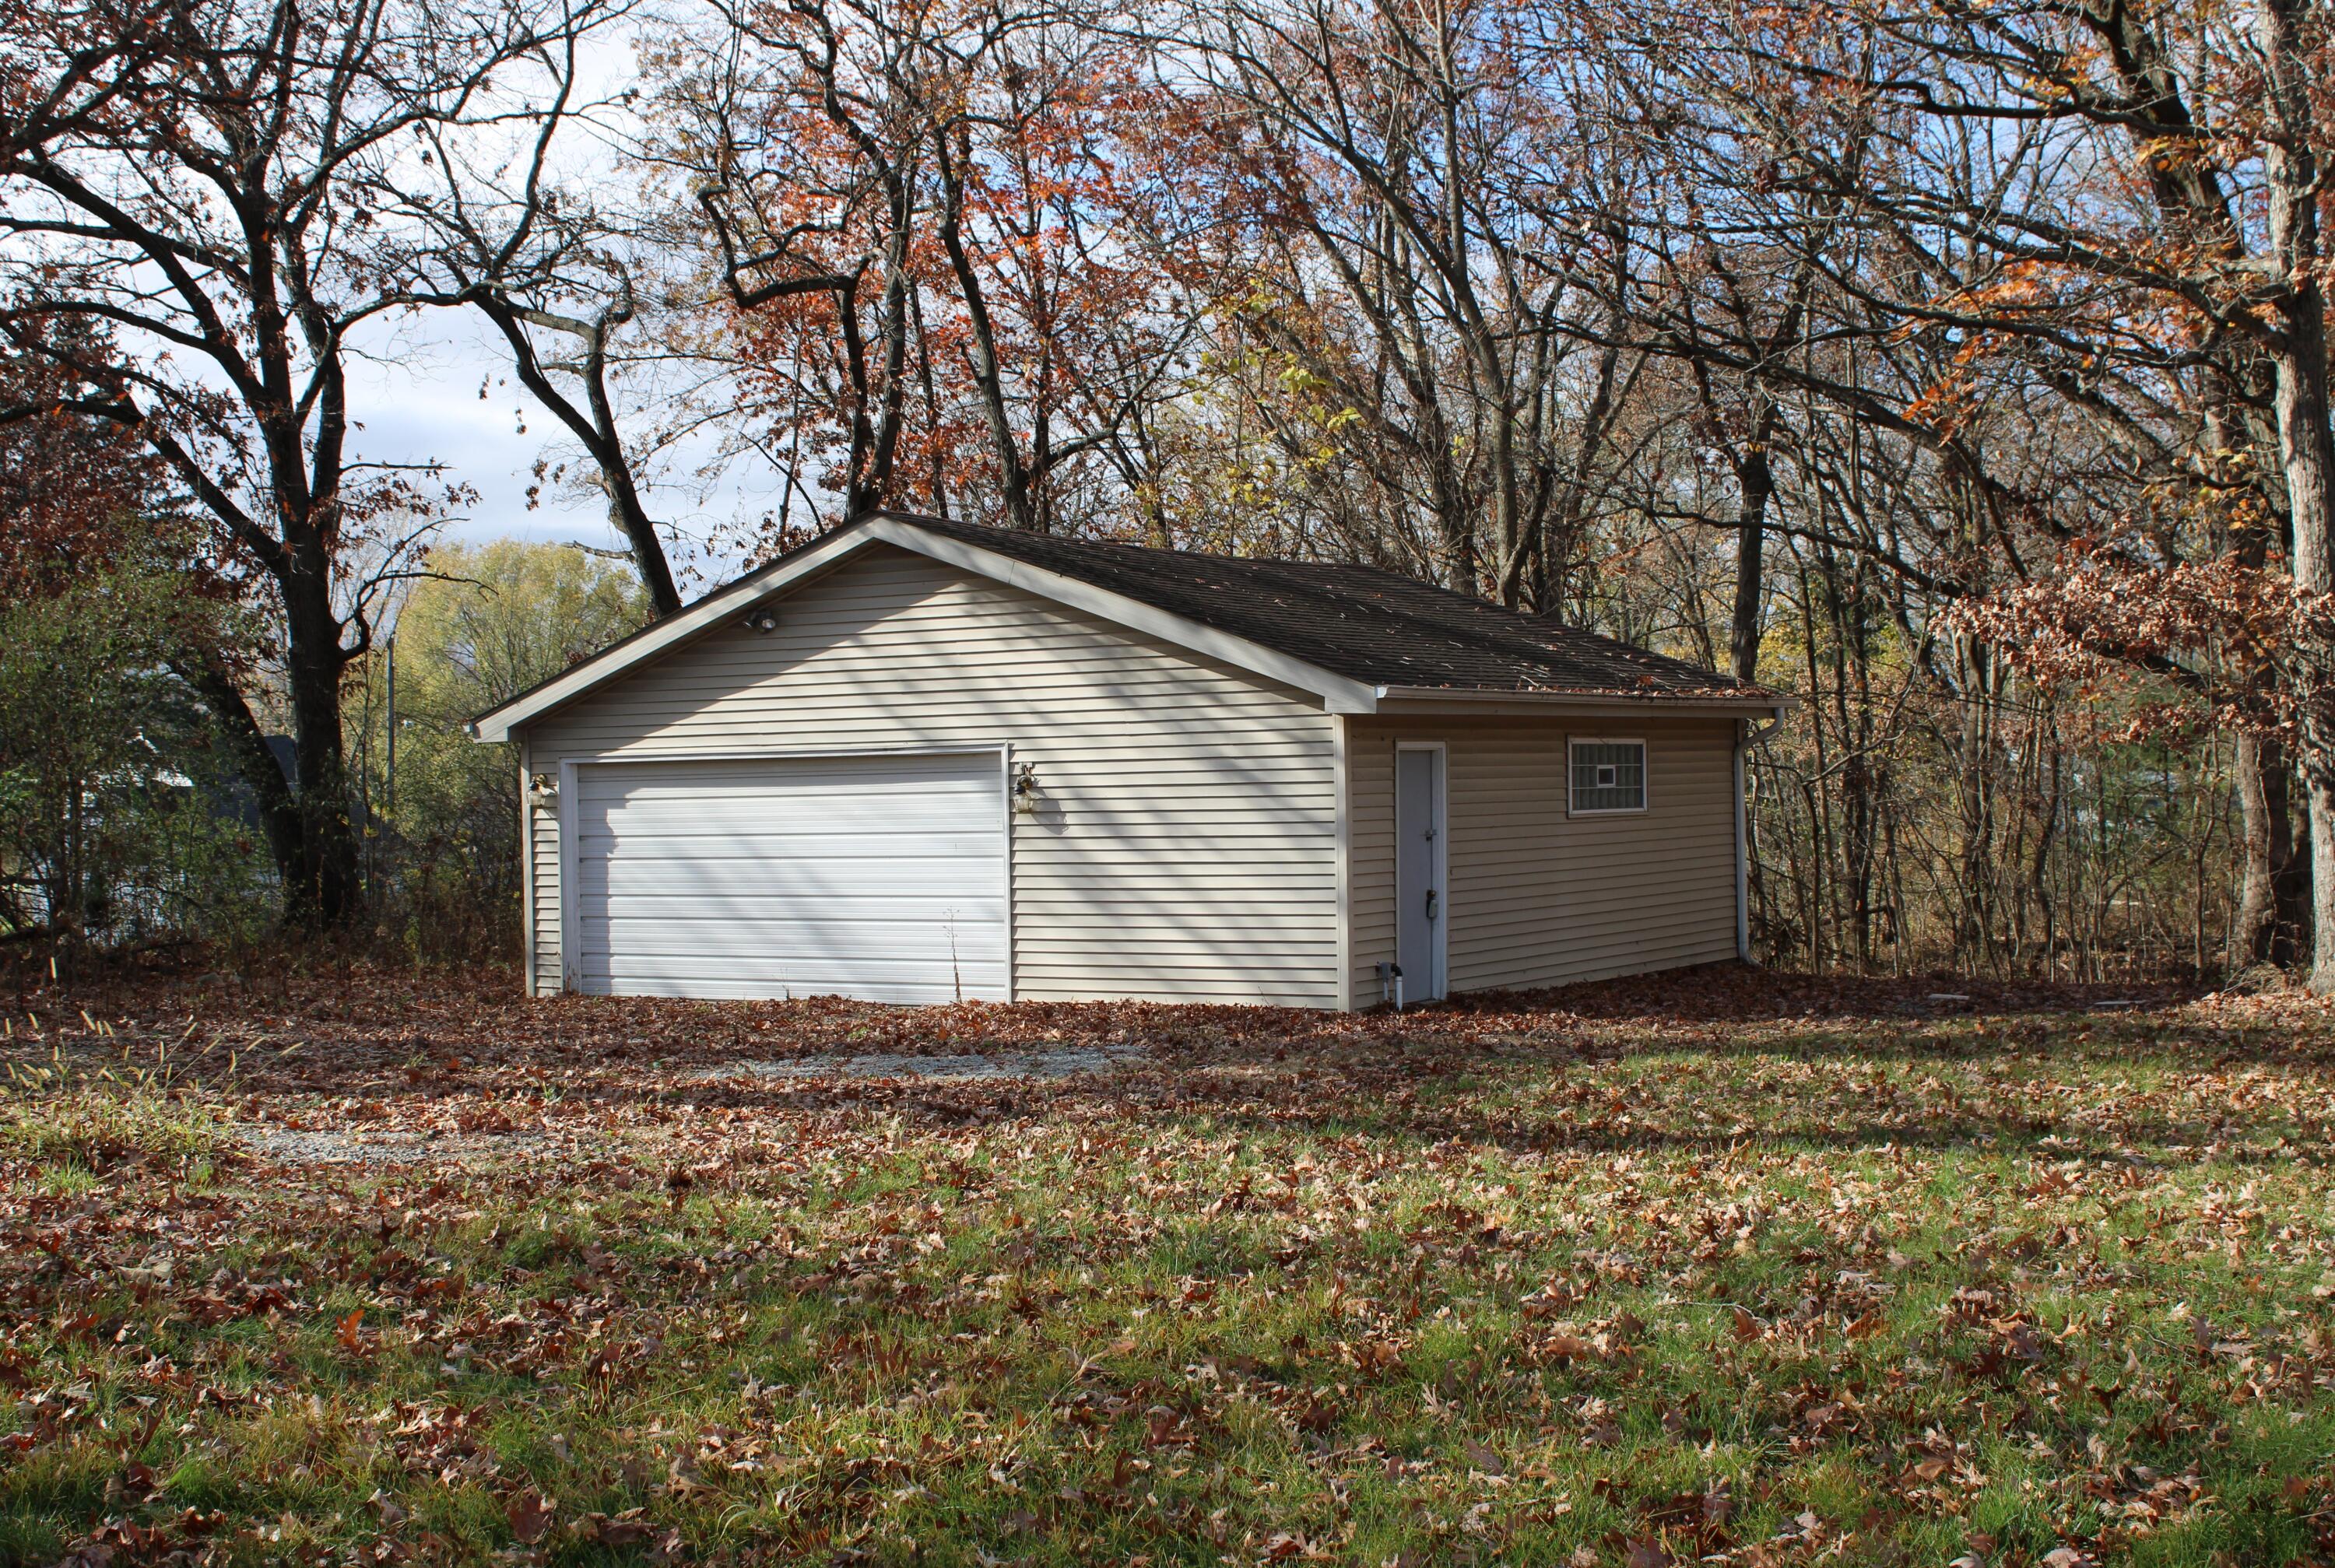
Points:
x=1498 y=623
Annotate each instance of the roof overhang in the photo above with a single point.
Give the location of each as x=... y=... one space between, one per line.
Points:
x=1338 y=693
x=1490 y=704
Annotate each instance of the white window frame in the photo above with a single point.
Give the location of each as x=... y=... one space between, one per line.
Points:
x=1645 y=776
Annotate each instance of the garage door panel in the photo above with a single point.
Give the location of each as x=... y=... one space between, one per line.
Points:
x=711 y=846
x=908 y=989
x=801 y=977
x=842 y=770
x=881 y=877
x=825 y=817
x=880 y=804
x=862 y=908
x=792 y=889
x=888 y=940
x=605 y=862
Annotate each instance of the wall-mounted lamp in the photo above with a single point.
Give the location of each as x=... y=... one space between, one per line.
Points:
x=1025 y=789
x=543 y=790
x=762 y=621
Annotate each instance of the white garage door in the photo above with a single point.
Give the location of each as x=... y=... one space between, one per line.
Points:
x=881 y=877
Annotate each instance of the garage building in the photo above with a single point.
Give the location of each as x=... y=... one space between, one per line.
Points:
x=920 y=760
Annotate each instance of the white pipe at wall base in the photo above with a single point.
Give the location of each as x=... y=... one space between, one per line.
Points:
x=1742 y=857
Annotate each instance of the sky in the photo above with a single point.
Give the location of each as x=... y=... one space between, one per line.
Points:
x=417 y=394
x=414 y=384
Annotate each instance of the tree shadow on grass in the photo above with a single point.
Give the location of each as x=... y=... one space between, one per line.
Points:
x=465 y=1040
x=1741 y=993
x=1320 y=1102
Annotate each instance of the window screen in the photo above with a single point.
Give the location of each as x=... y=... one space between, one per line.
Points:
x=1609 y=775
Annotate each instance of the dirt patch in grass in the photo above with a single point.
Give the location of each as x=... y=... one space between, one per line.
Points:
x=342 y=1147
x=1750 y=1269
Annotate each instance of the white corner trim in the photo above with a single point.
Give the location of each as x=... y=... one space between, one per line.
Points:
x=1005 y=868
x=1341 y=775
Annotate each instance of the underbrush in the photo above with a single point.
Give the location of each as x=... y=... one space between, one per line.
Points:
x=106 y=1120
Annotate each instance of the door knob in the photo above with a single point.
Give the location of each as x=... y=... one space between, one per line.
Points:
x=1430 y=903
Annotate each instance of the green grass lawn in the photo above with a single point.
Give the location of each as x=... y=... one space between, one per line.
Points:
x=383 y=1269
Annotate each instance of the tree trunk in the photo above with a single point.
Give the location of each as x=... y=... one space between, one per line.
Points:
x=1013 y=475
x=2190 y=193
x=595 y=425
x=2306 y=449
x=1755 y=482
x=2290 y=887
x=323 y=894
x=2265 y=930
x=625 y=508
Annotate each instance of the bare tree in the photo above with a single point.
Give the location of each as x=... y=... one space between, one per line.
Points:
x=532 y=249
x=935 y=295
x=1395 y=152
x=223 y=222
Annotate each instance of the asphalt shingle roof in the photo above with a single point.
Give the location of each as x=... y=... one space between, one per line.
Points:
x=1359 y=622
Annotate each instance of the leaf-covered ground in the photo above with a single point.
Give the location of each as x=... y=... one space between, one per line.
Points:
x=381 y=1269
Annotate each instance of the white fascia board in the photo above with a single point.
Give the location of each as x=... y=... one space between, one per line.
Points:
x=1338 y=694
x=1475 y=700
x=717 y=606
x=1335 y=690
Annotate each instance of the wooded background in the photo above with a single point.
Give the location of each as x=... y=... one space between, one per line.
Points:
x=1959 y=367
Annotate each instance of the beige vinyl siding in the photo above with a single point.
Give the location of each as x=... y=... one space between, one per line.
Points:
x=1539 y=897
x=543 y=944
x=1183 y=844
x=1369 y=858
